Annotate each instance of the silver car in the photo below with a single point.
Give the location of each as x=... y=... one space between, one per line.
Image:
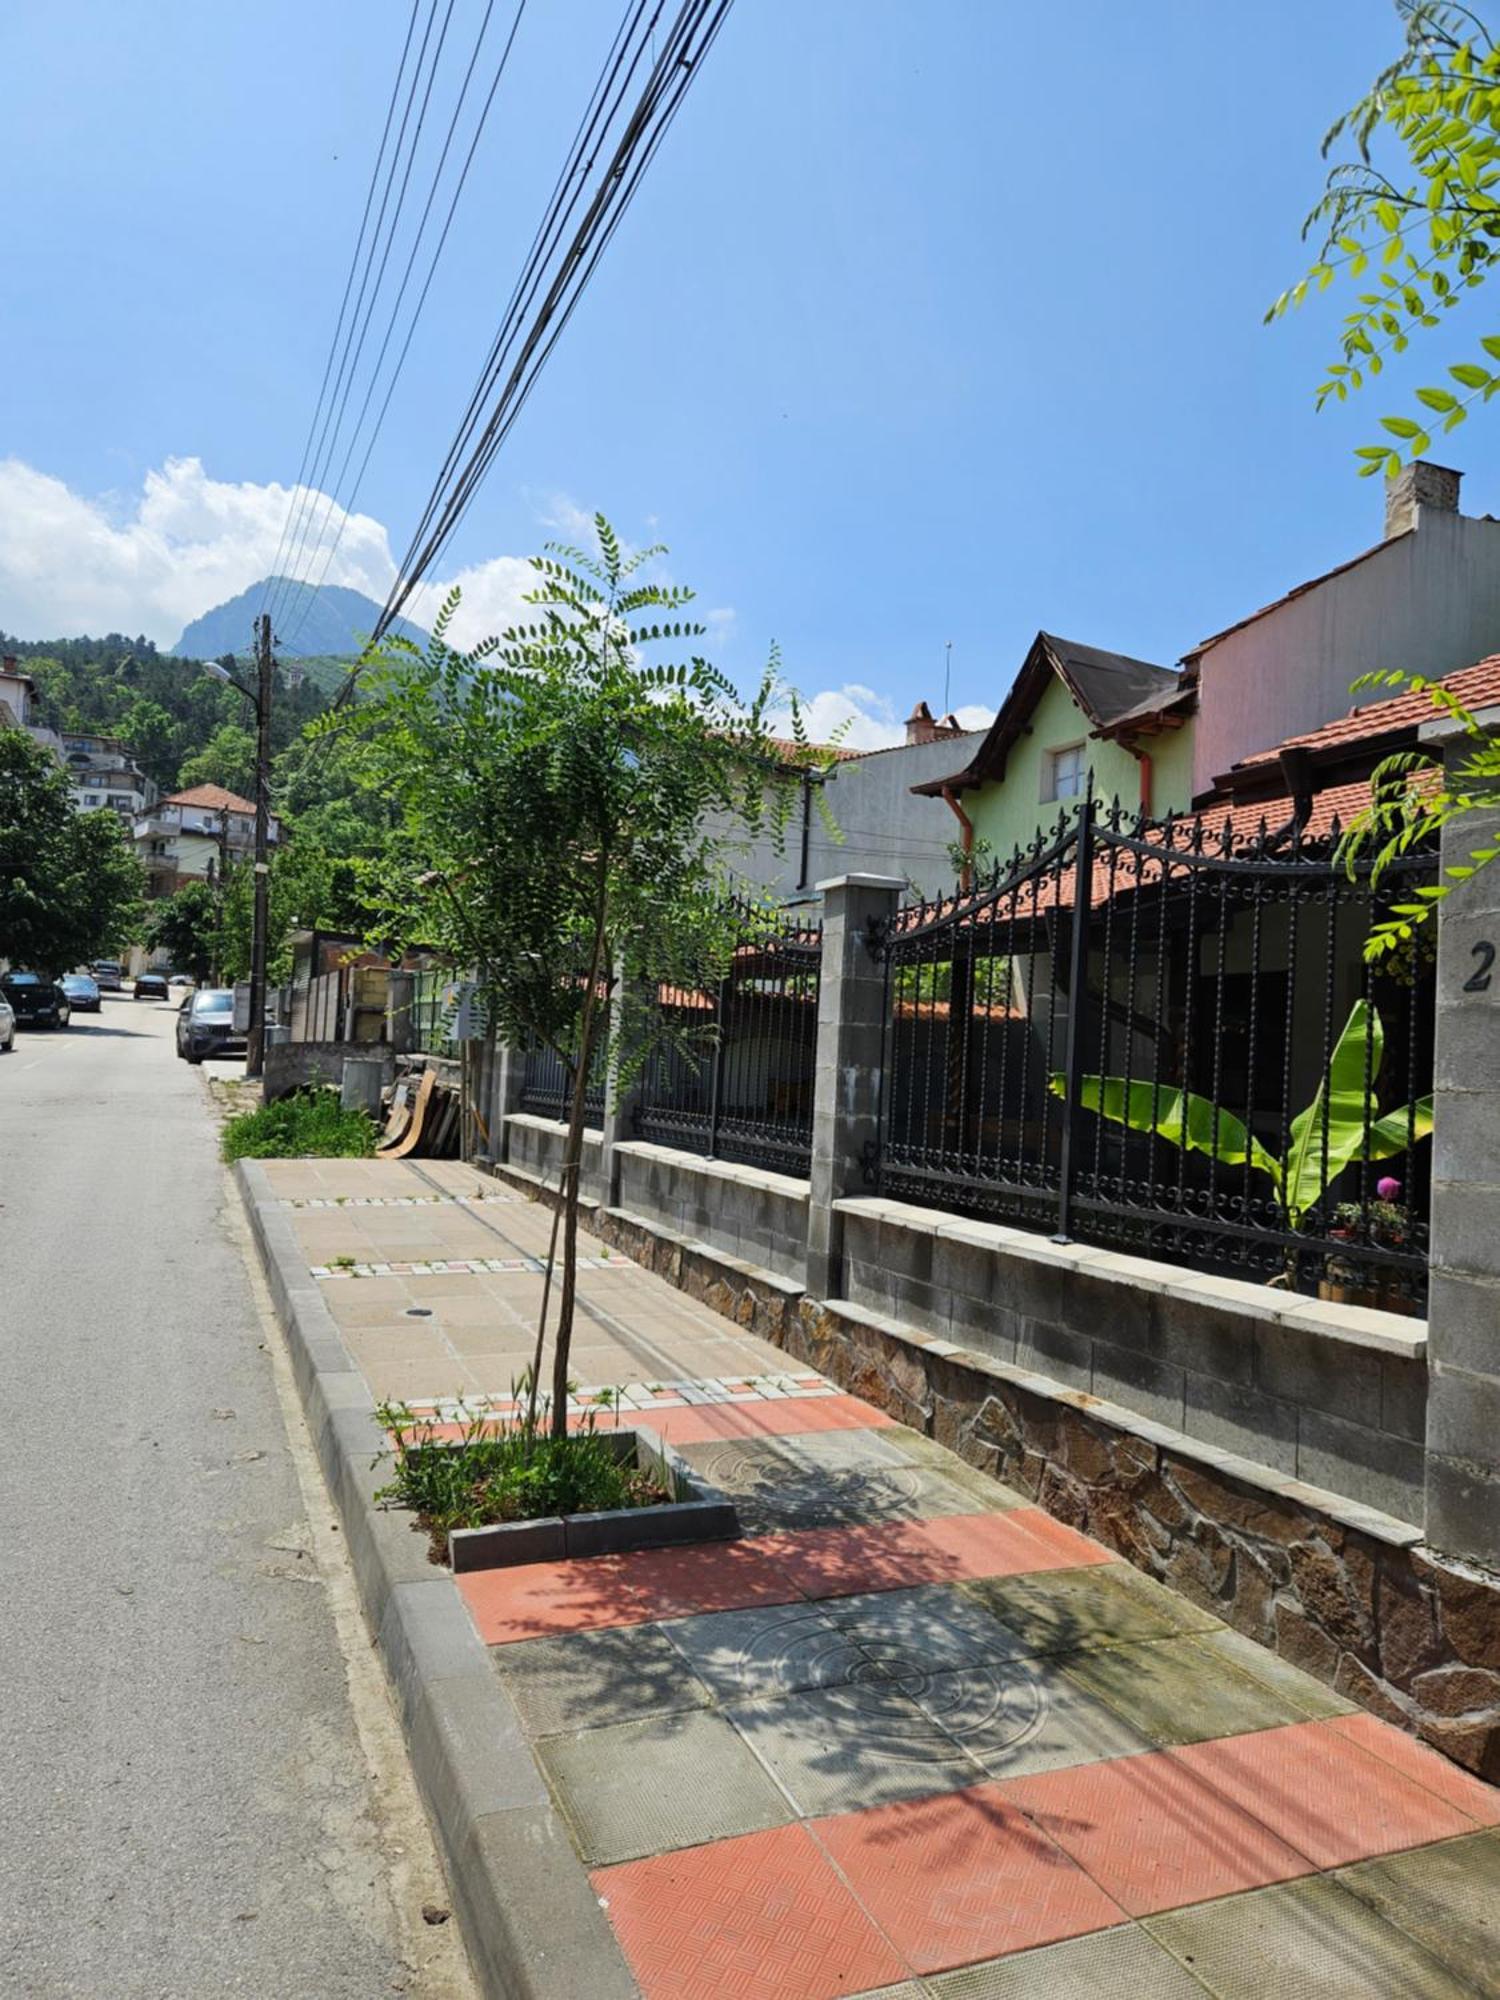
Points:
x=7 y=1025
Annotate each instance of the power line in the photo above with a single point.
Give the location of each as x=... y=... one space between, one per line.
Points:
x=344 y=500
x=300 y=487
x=359 y=328
x=519 y=353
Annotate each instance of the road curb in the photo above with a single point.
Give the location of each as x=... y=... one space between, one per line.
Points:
x=531 y=1922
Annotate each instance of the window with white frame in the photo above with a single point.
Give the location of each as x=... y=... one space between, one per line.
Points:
x=1065 y=773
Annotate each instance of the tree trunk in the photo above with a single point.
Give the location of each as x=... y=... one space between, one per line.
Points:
x=572 y=1163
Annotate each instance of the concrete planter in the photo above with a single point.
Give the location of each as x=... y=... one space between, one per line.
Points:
x=697 y=1513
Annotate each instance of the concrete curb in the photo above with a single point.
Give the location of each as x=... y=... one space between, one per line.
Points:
x=531 y=1921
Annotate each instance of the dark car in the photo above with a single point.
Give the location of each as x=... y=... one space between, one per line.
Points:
x=151 y=986
x=82 y=992
x=205 y=1025
x=36 y=1002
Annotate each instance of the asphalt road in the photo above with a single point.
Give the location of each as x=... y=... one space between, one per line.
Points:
x=201 y=1789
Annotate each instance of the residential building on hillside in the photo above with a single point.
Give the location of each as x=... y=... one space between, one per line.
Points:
x=1425 y=599
x=865 y=817
x=104 y=773
x=1075 y=716
x=189 y=836
x=17 y=691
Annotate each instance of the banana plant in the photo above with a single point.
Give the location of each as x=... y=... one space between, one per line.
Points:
x=1332 y=1132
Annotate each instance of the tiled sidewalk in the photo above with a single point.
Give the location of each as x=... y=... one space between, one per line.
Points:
x=910 y=1735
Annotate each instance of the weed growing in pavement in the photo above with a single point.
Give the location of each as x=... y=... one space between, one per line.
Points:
x=341 y=1263
x=308 y=1125
x=504 y=1468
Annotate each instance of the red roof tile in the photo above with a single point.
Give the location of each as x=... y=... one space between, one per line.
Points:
x=213 y=797
x=1476 y=687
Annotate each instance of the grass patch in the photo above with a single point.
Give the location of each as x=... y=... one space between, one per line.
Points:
x=504 y=1470
x=308 y=1125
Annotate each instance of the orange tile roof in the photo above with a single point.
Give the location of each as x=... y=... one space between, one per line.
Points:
x=1476 y=687
x=213 y=797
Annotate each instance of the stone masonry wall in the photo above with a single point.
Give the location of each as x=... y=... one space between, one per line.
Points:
x=1333 y=1394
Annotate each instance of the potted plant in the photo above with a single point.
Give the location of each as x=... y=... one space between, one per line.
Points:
x=1384 y=1222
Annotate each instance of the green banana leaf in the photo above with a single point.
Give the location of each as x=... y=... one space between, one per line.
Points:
x=1182 y=1116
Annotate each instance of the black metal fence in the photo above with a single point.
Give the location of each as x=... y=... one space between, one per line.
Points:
x=732 y=1075
x=1190 y=1059
x=547 y=1087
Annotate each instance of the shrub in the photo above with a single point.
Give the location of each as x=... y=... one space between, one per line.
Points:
x=310 y=1124
x=499 y=1470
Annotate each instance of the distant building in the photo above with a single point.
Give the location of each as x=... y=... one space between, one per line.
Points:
x=104 y=774
x=189 y=836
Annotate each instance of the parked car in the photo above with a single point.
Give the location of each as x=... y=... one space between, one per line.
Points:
x=7 y=1025
x=205 y=1025
x=107 y=976
x=182 y=979
x=36 y=1002
x=151 y=986
x=82 y=990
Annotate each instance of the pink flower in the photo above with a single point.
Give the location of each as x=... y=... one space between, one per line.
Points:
x=1388 y=1189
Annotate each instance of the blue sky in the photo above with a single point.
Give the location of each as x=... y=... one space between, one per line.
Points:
x=930 y=324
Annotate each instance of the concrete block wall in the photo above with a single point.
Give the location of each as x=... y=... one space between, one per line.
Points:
x=535 y=1145
x=1332 y=1395
x=745 y=1211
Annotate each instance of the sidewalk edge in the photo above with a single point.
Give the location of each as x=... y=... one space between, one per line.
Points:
x=531 y=1922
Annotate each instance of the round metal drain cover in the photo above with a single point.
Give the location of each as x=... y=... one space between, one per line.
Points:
x=419 y=1312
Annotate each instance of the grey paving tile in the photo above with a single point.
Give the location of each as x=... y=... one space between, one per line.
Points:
x=837 y=1749
x=645 y=1787
x=825 y=1481
x=771 y=1649
x=1066 y=1611
x=1308 y=1939
x=1119 y=1964
x=1176 y=1691
x=590 y=1680
x=990 y=1495
x=1446 y=1897
x=1018 y=1717
x=1307 y=1696
x=923 y=1630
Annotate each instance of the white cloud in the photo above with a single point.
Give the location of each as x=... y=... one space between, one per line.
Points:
x=868 y=720
x=155 y=560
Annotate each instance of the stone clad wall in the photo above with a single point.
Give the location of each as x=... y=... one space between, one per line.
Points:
x=1335 y=1395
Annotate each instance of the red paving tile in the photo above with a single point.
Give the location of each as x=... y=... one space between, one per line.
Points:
x=1153 y=1833
x=1318 y=1790
x=964 y=1877
x=535 y=1599
x=838 y=1562
x=705 y=1423
x=1425 y=1767
x=744 y=1919
x=717 y=1576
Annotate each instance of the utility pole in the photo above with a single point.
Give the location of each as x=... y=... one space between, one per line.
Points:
x=264 y=676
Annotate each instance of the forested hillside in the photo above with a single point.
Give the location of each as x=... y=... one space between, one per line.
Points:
x=186 y=725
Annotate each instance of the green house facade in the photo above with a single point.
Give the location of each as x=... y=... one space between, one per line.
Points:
x=1075 y=716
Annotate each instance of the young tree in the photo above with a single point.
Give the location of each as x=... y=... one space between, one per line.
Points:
x=567 y=807
x=70 y=884
x=1421 y=235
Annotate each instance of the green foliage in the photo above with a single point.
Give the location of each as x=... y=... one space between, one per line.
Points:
x=309 y=1125
x=1419 y=241
x=567 y=800
x=1326 y=1136
x=186 y=927
x=505 y=1470
x=167 y=710
x=227 y=759
x=1413 y=796
x=70 y=885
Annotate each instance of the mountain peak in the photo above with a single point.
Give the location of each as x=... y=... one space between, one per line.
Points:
x=324 y=620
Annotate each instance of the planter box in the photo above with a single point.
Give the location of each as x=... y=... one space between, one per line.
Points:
x=698 y=1513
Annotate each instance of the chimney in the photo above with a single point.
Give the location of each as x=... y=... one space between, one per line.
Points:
x=920 y=727
x=1419 y=488
x=10 y=664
